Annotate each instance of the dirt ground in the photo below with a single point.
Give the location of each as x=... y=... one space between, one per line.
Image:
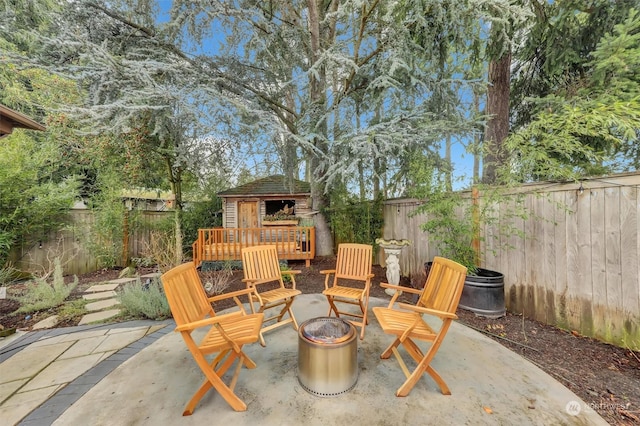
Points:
x=606 y=377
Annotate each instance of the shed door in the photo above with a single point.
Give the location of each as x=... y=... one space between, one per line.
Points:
x=247 y=214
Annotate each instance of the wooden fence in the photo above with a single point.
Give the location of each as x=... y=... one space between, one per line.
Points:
x=71 y=244
x=578 y=266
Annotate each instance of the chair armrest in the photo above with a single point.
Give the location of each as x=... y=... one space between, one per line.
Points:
x=401 y=288
x=327 y=273
x=291 y=274
x=204 y=322
x=251 y=285
x=422 y=310
x=229 y=295
x=234 y=295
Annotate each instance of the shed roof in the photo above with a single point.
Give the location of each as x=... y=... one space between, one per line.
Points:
x=10 y=119
x=271 y=185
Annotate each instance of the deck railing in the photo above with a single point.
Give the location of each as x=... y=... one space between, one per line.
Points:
x=292 y=242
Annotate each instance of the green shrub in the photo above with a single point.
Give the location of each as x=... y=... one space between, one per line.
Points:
x=8 y=275
x=355 y=221
x=284 y=267
x=72 y=309
x=40 y=294
x=218 y=265
x=201 y=214
x=144 y=300
x=143 y=262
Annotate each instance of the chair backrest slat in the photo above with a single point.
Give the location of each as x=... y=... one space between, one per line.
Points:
x=444 y=285
x=260 y=264
x=185 y=294
x=354 y=261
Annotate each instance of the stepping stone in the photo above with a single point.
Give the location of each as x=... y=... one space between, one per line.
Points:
x=49 y=322
x=101 y=304
x=101 y=287
x=99 y=316
x=100 y=295
x=122 y=281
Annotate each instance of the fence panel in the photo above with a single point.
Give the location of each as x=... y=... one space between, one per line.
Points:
x=67 y=244
x=578 y=266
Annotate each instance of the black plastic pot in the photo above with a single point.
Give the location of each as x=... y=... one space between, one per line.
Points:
x=483 y=293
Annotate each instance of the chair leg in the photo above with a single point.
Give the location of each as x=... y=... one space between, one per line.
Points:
x=285 y=309
x=332 y=307
x=365 y=320
x=202 y=390
x=248 y=362
x=234 y=379
x=424 y=366
x=387 y=352
x=415 y=377
x=295 y=323
x=278 y=319
x=436 y=377
x=214 y=380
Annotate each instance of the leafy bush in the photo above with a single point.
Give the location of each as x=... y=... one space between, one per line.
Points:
x=8 y=274
x=202 y=214
x=144 y=300
x=284 y=267
x=32 y=201
x=41 y=295
x=216 y=265
x=356 y=221
x=143 y=262
x=73 y=309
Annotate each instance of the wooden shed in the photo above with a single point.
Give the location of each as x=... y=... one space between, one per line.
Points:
x=245 y=210
x=246 y=206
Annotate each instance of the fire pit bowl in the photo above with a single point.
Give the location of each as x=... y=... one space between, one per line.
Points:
x=327 y=356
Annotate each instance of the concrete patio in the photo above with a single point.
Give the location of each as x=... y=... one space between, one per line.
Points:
x=141 y=373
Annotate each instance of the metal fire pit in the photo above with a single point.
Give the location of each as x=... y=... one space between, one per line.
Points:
x=327 y=356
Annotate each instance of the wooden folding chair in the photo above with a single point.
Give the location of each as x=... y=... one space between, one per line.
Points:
x=351 y=282
x=227 y=333
x=263 y=275
x=440 y=298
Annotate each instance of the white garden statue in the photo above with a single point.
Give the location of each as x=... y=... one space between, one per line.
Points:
x=392 y=249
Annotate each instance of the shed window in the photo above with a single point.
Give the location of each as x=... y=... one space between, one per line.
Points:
x=274 y=206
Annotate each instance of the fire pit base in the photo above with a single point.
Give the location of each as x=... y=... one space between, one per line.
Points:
x=327 y=356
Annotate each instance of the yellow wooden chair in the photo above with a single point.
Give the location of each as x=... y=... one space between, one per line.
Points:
x=351 y=283
x=439 y=298
x=227 y=333
x=263 y=275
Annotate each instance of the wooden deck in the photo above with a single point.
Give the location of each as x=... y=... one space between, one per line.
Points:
x=292 y=242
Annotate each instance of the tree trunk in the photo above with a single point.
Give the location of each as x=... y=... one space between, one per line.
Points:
x=376 y=178
x=448 y=164
x=498 y=112
x=317 y=86
x=476 y=141
x=175 y=180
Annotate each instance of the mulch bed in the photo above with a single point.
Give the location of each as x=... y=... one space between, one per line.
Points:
x=604 y=376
